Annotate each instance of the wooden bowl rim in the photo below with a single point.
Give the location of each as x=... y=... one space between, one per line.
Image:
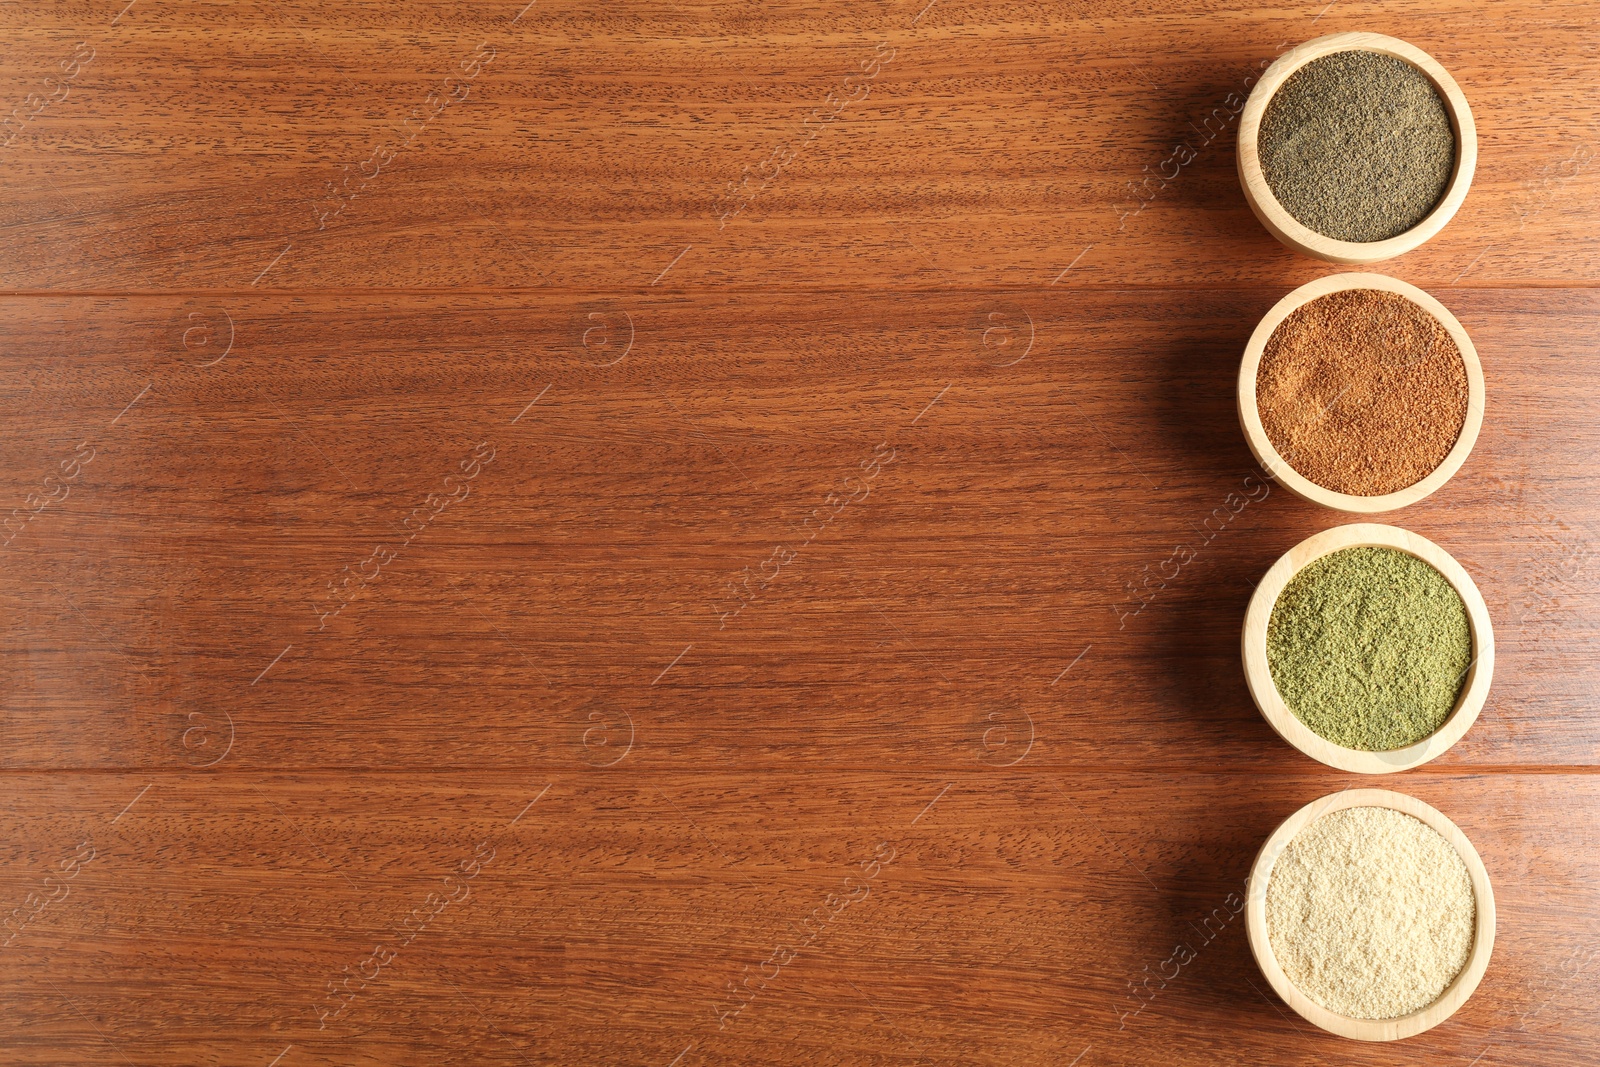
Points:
x=1258 y=675
x=1300 y=237
x=1454 y=995
x=1282 y=471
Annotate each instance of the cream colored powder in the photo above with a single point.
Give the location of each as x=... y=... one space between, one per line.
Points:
x=1370 y=912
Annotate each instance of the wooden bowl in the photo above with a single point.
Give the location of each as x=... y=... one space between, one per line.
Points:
x=1454 y=995
x=1279 y=468
x=1284 y=226
x=1265 y=693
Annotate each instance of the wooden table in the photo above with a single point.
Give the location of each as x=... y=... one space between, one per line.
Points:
x=641 y=534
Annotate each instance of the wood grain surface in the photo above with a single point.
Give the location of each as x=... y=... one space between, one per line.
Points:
x=684 y=534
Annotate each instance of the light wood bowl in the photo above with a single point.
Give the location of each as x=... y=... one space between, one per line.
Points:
x=1258 y=676
x=1282 y=471
x=1454 y=995
x=1284 y=226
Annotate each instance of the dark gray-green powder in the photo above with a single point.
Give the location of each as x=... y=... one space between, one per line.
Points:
x=1369 y=647
x=1357 y=146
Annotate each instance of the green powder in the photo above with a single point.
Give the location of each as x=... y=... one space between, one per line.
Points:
x=1357 y=146
x=1369 y=647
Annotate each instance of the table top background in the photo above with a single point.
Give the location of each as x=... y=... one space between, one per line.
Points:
x=557 y=550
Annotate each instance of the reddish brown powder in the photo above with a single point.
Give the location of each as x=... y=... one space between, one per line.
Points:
x=1362 y=391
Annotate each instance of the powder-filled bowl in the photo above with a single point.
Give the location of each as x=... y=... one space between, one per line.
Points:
x=1294 y=233
x=1454 y=994
x=1338 y=407
x=1473 y=687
